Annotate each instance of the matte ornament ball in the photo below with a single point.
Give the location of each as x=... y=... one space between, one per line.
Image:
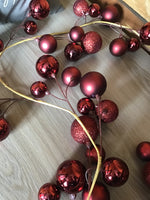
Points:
x=30 y=27
x=76 y=34
x=70 y=176
x=118 y=47
x=146 y=174
x=145 y=34
x=80 y=8
x=85 y=105
x=4 y=129
x=143 y=150
x=39 y=89
x=49 y=192
x=110 y=13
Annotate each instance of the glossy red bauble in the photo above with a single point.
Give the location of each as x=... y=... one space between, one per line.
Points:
x=30 y=27
x=110 y=13
x=85 y=105
x=79 y=134
x=76 y=34
x=92 y=84
x=100 y=192
x=92 y=42
x=118 y=47
x=80 y=8
x=47 y=66
x=94 y=10
x=145 y=33
x=47 y=43
x=4 y=129
x=71 y=76
x=49 y=192
x=146 y=174
x=143 y=150
x=39 y=9
x=133 y=44
x=70 y=176
x=1 y=45
x=115 y=171
x=39 y=89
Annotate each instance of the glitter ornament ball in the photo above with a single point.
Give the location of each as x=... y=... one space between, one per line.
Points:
x=143 y=150
x=76 y=34
x=92 y=84
x=146 y=174
x=47 y=43
x=110 y=13
x=1 y=45
x=70 y=176
x=4 y=129
x=115 y=171
x=80 y=8
x=49 y=192
x=92 y=42
x=145 y=34
x=30 y=27
x=79 y=134
x=94 y=10
x=133 y=44
x=47 y=66
x=39 y=89
x=118 y=47
x=85 y=105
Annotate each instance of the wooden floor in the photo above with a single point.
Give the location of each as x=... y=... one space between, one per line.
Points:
x=40 y=136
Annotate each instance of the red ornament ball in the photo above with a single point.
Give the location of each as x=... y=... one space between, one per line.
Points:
x=70 y=176
x=100 y=192
x=80 y=8
x=108 y=110
x=1 y=45
x=47 y=43
x=115 y=171
x=110 y=13
x=143 y=151
x=94 y=10
x=47 y=66
x=145 y=34
x=92 y=84
x=79 y=134
x=4 y=128
x=85 y=105
x=71 y=76
x=133 y=44
x=118 y=47
x=76 y=34
x=146 y=174
x=30 y=27
x=49 y=192
x=92 y=42
x=39 y=89
x=39 y=9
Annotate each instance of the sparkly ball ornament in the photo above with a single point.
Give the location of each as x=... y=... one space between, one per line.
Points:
x=39 y=89
x=4 y=128
x=146 y=174
x=49 y=192
x=80 y=8
x=30 y=27
x=1 y=45
x=118 y=47
x=133 y=44
x=145 y=34
x=143 y=151
x=76 y=34
x=94 y=10
x=85 y=105
x=110 y=13
x=70 y=176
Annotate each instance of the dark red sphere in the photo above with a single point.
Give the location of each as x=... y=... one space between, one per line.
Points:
x=146 y=174
x=47 y=66
x=145 y=34
x=73 y=51
x=100 y=192
x=47 y=43
x=39 y=9
x=71 y=76
x=133 y=44
x=115 y=171
x=143 y=151
x=118 y=47
x=1 y=45
x=76 y=34
x=85 y=105
x=111 y=13
x=108 y=110
x=49 y=192
x=30 y=27
x=80 y=8
x=92 y=84
x=94 y=10
x=39 y=89
x=70 y=176
x=4 y=128
x=92 y=42
x=79 y=134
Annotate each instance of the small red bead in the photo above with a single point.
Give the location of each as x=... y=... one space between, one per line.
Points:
x=1 y=45
x=146 y=174
x=143 y=151
x=76 y=34
x=4 y=129
x=133 y=44
x=80 y=8
x=39 y=89
x=30 y=27
x=94 y=10
x=145 y=34
x=85 y=105
x=118 y=47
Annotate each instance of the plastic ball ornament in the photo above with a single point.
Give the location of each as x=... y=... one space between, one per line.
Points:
x=115 y=171
x=92 y=84
x=49 y=192
x=39 y=89
x=146 y=174
x=80 y=8
x=92 y=42
x=118 y=47
x=30 y=27
x=143 y=150
x=1 y=45
x=76 y=34
x=94 y=10
x=85 y=105
x=70 y=176
x=4 y=128
x=71 y=76
x=110 y=13
x=47 y=66
x=39 y=9
x=133 y=44
x=145 y=34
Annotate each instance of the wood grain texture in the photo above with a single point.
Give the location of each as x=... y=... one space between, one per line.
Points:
x=40 y=137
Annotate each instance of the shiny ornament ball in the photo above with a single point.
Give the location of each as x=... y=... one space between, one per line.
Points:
x=110 y=13
x=4 y=128
x=133 y=44
x=47 y=66
x=71 y=76
x=39 y=9
x=100 y=192
x=108 y=110
x=85 y=105
x=49 y=192
x=145 y=34
x=30 y=27
x=79 y=134
x=80 y=8
x=94 y=10
x=70 y=176
x=92 y=42
x=118 y=47
x=39 y=89
x=115 y=171
x=73 y=51
x=92 y=84
x=1 y=45
x=143 y=150
x=47 y=43
x=76 y=34
x=146 y=174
